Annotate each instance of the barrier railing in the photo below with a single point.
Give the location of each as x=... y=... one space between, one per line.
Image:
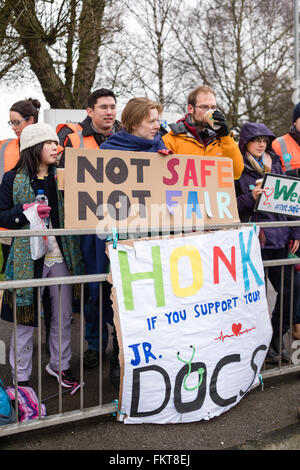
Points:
x=82 y=412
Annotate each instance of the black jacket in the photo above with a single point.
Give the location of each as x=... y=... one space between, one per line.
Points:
x=11 y=215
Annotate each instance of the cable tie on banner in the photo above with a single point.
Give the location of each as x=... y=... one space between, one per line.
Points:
x=254 y=227
x=114 y=237
x=116 y=402
x=261 y=381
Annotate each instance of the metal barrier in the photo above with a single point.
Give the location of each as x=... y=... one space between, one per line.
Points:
x=82 y=412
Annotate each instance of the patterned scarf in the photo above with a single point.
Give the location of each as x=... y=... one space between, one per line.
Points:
x=205 y=137
x=21 y=266
x=262 y=165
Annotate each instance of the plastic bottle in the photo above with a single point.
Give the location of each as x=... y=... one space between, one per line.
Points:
x=41 y=198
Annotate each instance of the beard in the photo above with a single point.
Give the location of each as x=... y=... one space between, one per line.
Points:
x=201 y=124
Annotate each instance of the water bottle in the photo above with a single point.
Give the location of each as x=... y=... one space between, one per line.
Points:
x=41 y=198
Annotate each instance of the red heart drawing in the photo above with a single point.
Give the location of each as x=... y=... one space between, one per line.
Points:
x=236 y=328
x=266 y=202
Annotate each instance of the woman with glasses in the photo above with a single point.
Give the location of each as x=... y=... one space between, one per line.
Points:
x=21 y=114
x=259 y=158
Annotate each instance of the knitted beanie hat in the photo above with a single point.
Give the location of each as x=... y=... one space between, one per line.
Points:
x=296 y=112
x=36 y=134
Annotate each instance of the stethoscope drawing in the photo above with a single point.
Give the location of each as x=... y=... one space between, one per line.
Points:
x=188 y=363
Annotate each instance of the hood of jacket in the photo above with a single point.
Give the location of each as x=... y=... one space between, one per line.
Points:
x=251 y=130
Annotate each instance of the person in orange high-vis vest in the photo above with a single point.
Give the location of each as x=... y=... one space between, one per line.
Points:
x=288 y=146
x=99 y=124
x=77 y=140
x=9 y=155
x=21 y=114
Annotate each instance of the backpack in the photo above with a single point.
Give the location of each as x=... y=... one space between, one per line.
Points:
x=7 y=412
x=28 y=404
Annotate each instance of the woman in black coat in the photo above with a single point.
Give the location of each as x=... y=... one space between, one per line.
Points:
x=259 y=159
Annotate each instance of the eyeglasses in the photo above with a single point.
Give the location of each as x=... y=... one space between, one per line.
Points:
x=259 y=140
x=17 y=123
x=205 y=107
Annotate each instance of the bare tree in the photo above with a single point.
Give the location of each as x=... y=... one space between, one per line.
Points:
x=59 y=41
x=243 y=49
x=145 y=52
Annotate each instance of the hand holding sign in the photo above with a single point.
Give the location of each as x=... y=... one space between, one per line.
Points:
x=257 y=191
x=294 y=246
x=281 y=196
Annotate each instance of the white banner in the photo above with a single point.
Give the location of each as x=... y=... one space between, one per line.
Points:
x=193 y=324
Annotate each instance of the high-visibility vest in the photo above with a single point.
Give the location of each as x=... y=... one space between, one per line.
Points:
x=9 y=155
x=74 y=127
x=288 y=150
x=79 y=141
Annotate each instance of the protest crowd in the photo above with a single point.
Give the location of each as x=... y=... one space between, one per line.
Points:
x=29 y=164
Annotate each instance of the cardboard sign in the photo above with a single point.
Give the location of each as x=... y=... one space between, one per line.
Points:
x=281 y=196
x=192 y=324
x=105 y=188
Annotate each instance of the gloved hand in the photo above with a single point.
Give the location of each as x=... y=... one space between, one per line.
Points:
x=220 y=121
x=26 y=206
x=165 y=151
x=43 y=211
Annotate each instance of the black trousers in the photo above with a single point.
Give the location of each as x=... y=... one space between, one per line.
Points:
x=274 y=275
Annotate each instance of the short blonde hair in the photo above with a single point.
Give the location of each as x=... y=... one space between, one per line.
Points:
x=136 y=110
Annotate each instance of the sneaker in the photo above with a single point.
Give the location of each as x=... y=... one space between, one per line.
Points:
x=91 y=358
x=67 y=379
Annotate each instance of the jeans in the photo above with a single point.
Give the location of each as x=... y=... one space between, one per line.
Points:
x=92 y=326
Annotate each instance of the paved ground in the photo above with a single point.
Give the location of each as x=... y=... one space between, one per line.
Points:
x=246 y=426
x=264 y=419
